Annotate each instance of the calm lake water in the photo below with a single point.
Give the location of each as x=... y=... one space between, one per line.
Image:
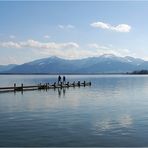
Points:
x=112 y=112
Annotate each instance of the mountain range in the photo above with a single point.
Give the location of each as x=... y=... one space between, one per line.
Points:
x=107 y=63
x=7 y=67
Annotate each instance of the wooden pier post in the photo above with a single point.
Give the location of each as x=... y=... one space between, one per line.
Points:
x=68 y=84
x=74 y=84
x=84 y=83
x=54 y=84
x=14 y=86
x=22 y=86
x=90 y=83
x=61 y=84
x=39 y=86
x=79 y=83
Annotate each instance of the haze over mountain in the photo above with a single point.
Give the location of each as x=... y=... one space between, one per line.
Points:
x=7 y=67
x=107 y=63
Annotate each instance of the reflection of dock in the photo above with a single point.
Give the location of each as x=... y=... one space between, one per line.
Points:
x=43 y=86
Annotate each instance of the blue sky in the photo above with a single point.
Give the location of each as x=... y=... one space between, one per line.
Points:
x=33 y=30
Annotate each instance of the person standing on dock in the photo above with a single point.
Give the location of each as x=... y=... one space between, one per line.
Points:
x=64 y=79
x=59 y=79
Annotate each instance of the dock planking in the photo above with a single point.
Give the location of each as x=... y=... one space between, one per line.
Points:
x=44 y=86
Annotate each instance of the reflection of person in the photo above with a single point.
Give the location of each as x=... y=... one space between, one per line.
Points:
x=59 y=79
x=64 y=90
x=59 y=92
x=64 y=79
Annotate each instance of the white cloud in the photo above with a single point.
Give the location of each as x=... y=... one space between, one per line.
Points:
x=93 y=50
x=69 y=26
x=68 y=50
x=46 y=36
x=70 y=53
x=9 y=44
x=38 y=45
x=12 y=36
x=122 y=28
x=99 y=49
x=100 y=25
x=118 y=28
x=61 y=26
x=97 y=46
x=48 y=45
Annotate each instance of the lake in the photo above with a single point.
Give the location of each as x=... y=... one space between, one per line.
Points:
x=111 y=112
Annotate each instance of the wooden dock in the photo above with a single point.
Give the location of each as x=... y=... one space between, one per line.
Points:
x=44 y=86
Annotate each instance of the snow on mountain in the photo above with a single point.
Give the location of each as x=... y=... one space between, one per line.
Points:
x=103 y=63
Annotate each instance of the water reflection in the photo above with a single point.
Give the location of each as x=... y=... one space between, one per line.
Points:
x=110 y=124
x=125 y=121
x=114 y=106
x=61 y=91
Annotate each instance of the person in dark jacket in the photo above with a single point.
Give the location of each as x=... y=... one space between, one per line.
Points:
x=64 y=79
x=59 y=79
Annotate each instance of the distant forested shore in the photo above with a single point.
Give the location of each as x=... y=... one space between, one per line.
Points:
x=138 y=72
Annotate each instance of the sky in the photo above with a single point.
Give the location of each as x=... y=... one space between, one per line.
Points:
x=72 y=29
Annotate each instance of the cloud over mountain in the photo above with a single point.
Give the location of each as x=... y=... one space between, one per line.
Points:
x=68 y=50
x=38 y=45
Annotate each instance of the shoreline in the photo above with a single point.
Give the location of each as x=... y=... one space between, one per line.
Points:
x=71 y=74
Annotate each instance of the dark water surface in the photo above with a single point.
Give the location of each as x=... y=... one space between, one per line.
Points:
x=112 y=112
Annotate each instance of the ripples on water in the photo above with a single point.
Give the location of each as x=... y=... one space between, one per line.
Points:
x=112 y=112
